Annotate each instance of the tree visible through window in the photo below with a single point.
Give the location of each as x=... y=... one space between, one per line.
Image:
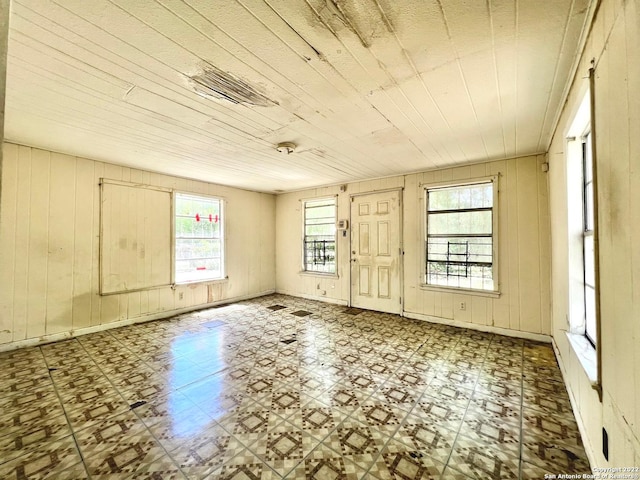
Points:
x=459 y=243
x=319 y=249
x=199 y=245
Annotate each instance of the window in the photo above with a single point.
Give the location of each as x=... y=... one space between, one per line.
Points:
x=581 y=224
x=199 y=244
x=459 y=239
x=587 y=240
x=319 y=249
x=582 y=245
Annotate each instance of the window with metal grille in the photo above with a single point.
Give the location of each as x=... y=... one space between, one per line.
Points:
x=459 y=237
x=199 y=245
x=319 y=249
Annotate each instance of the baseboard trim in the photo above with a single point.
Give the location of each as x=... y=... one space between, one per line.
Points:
x=30 y=342
x=577 y=413
x=429 y=318
x=56 y=337
x=482 y=328
x=334 y=301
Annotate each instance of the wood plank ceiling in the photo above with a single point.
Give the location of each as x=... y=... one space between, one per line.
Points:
x=366 y=88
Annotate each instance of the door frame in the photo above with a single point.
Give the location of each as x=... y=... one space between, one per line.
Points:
x=400 y=191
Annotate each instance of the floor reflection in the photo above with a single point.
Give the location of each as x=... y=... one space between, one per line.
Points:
x=197 y=358
x=217 y=394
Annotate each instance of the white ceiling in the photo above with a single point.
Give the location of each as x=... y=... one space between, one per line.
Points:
x=365 y=88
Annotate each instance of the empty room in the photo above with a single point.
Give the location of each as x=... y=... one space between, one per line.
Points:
x=321 y=239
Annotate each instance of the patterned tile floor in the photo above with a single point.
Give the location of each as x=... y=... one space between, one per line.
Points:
x=279 y=387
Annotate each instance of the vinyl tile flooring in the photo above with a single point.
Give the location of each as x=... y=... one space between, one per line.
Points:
x=280 y=387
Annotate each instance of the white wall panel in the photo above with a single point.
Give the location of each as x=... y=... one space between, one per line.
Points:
x=83 y=244
x=12 y=304
x=289 y=278
x=38 y=241
x=61 y=244
x=614 y=46
x=135 y=234
x=522 y=238
x=49 y=244
x=21 y=207
x=528 y=246
x=521 y=225
x=510 y=247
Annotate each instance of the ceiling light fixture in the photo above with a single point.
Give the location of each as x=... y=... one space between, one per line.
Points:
x=286 y=147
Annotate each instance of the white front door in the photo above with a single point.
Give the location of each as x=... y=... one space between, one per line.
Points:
x=376 y=251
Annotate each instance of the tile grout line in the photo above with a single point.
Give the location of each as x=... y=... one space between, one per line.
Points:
x=458 y=434
x=66 y=415
x=118 y=390
x=521 y=412
x=402 y=421
x=439 y=374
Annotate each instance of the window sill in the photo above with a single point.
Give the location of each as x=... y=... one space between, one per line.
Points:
x=461 y=291
x=194 y=282
x=318 y=274
x=587 y=356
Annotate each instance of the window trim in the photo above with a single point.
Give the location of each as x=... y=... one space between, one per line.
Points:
x=582 y=124
x=303 y=202
x=585 y=140
x=596 y=229
x=223 y=237
x=103 y=182
x=494 y=180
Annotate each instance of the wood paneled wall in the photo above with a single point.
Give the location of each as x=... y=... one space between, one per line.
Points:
x=289 y=278
x=524 y=248
x=613 y=48
x=49 y=239
x=135 y=237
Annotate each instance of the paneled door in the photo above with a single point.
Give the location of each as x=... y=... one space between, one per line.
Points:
x=376 y=251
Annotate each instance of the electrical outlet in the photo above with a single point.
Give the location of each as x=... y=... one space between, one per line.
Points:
x=180 y=295
x=463 y=305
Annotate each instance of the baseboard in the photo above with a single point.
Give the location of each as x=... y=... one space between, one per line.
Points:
x=419 y=316
x=334 y=301
x=482 y=328
x=56 y=337
x=29 y=342
x=577 y=413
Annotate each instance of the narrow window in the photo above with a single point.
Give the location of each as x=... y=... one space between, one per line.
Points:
x=582 y=239
x=199 y=244
x=587 y=239
x=459 y=239
x=319 y=249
